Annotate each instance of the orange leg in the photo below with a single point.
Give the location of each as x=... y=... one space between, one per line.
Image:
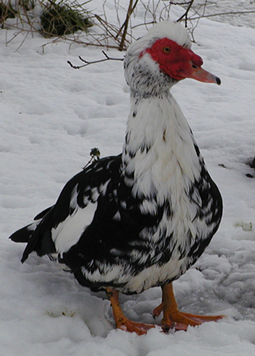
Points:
x=172 y=316
x=121 y=321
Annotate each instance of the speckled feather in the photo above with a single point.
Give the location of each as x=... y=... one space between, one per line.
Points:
x=142 y=218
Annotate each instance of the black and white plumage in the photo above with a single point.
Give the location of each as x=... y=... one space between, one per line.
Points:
x=142 y=218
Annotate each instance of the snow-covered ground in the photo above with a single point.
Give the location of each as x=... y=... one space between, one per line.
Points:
x=237 y=12
x=51 y=116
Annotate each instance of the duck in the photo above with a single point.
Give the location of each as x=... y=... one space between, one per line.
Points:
x=140 y=219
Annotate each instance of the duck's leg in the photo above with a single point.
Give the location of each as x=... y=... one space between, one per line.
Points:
x=171 y=314
x=121 y=321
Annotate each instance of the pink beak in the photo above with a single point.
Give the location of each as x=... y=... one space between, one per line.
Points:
x=196 y=72
x=192 y=68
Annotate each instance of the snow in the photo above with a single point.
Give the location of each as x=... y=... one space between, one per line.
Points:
x=51 y=116
x=241 y=13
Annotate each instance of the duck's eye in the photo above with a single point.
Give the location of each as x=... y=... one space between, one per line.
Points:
x=167 y=50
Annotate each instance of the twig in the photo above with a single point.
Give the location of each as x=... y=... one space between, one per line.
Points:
x=93 y=62
x=106 y=26
x=132 y=10
x=186 y=13
x=129 y=12
x=224 y=13
x=95 y=156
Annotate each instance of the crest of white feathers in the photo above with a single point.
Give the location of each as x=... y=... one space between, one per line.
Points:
x=172 y=30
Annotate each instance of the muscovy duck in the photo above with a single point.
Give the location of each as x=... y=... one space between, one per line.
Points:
x=140 y=219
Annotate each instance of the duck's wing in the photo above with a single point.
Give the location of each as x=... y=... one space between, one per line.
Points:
x=59 y=227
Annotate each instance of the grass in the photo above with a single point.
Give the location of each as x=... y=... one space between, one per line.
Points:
x=6 y=11
x=63 y=18
x=57 y=17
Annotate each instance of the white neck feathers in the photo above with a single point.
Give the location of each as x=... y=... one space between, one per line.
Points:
x=159 y=151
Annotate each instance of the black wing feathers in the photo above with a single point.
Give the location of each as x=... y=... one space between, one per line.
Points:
x=86 y=182
x=22 y=235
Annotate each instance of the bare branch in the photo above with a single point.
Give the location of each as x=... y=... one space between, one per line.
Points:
x=129 y=12
x=95 y=156
x=118 y=34
x=223 y=13
x=185 y=15
x=132 y=10
x=93 y=62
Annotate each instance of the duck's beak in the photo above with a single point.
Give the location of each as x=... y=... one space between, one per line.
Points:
x=191 y=67
x=198 y=73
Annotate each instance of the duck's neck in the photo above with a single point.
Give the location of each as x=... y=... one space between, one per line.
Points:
x=159 y=149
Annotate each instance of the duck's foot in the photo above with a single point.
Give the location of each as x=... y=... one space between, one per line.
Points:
x=181 y=320
x=121 y=321
x=172 y=316
x=133 y=327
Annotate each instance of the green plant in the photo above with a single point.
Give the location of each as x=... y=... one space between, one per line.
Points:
x=27 y=5
x=6 y=11
x=63 y=18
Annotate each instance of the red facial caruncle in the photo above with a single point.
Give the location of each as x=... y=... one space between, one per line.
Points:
x=179 y=62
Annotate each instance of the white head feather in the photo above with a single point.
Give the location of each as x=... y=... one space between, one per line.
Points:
x=171 y=30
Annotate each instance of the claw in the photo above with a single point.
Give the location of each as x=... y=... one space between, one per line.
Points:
x=121 y=321
x=157 y=311
x=172 y=316
x=131 y=326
